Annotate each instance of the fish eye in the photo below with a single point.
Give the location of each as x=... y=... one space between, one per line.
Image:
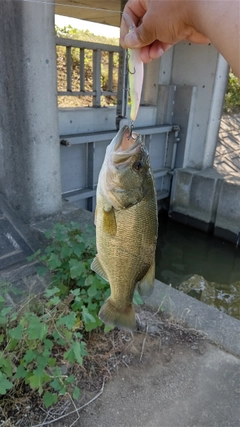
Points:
x=138 y=165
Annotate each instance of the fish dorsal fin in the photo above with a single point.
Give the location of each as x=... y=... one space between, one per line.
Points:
x=109 y=222
x=145 y=286
x=97 y=267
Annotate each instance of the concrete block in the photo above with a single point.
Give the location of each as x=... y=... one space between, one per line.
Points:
x=180 y=195
x=227 y=224
x=194 y=197
x=203 y=196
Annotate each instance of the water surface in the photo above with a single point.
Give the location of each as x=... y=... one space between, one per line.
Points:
x=199 y=264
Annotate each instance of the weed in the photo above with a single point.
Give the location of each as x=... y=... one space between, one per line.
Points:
x=42 y=342
x=232 y=97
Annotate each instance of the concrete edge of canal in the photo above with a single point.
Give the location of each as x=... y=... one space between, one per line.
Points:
x=219 y=327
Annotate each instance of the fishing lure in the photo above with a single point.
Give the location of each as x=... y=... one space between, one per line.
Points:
x=136 y=73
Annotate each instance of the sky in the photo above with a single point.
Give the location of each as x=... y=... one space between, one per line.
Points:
x=98 y=29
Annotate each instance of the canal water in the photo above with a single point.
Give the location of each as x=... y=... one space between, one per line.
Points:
x=199 y=264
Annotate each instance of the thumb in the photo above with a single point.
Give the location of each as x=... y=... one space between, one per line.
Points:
x=139 y=37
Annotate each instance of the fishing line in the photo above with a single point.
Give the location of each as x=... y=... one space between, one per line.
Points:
x=73 y=6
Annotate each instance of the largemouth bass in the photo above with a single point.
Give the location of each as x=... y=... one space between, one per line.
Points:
x=126 y=226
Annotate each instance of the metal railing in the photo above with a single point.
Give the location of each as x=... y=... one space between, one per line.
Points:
x=91 y=139
x=90 y=55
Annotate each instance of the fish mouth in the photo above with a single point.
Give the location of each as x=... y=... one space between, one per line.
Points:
x=126 y=145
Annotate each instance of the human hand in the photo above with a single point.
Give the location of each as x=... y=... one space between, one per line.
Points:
x=159 y=24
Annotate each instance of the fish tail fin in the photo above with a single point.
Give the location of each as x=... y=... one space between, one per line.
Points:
x=112 y=316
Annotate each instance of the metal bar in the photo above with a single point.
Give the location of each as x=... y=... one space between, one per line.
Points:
x=82 y=70
x=157 y=173
x=97 y=77
x=90 y=171
x=83 y=138
x=79 y=194
x=174 y=152
x=122 y=95
x=69 y=68
x=162 y=194
x=166 y=149
x=110 y=71
x=86 y=93
x=87 y=45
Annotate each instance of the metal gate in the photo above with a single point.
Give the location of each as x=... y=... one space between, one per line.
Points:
x=85 y=132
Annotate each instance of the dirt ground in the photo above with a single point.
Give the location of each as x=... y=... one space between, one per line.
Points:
x=119 y=359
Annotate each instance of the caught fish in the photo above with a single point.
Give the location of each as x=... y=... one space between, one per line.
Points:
x=126 y=226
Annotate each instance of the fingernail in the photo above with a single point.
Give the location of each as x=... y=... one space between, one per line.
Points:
x=131 y=39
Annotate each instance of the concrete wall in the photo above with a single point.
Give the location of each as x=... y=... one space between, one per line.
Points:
x=207 y=200
x=29 y=140
x=197 y=75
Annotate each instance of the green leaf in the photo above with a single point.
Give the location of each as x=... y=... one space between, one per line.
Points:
x=36 y=329
x=69 y=320
x=12 y=344
x=54 y=261
x=76 y=292
x=87 y=317
x=76 y=352
x=37 y=380
x=107 y=328
x=6 y=366
x=137 y=298
x=5 y=311
x=76 y=393
x=16 y=332
x=92 y=291
x=2 y=299
x=1 y=338
x=41 y=271
x=49 y=399
x=56 y=384
x=30 y=355
x=76 y=268
x=52 y=361
x=51 y=291
x=66 y=251
x=55 y=300
x=21 y=373
x=70 y=379
x=78 y=249
x=48 y=344
x=5 y=384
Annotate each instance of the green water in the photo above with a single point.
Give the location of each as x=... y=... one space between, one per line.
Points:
x=199 y=264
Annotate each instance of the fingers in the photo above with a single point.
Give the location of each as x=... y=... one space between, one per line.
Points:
x=133 y=12
x=154 y=51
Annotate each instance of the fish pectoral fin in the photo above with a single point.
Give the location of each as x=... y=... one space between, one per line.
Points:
x=145 y=286
x=109 y=222
x=123 y=318
x=97 y=267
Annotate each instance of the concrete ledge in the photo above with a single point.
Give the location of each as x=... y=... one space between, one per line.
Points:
x=207 y=200
x=69 y=213
x=219 y=327
x=228 y=212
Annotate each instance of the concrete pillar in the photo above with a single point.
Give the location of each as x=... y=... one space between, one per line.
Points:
x=29 y=141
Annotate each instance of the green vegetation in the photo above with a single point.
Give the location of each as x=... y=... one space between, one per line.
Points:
x=85 y=35
x=44 y=341
x=232 y=97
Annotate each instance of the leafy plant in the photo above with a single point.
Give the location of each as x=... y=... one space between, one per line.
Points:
x=44 y=340
x=232 y=97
